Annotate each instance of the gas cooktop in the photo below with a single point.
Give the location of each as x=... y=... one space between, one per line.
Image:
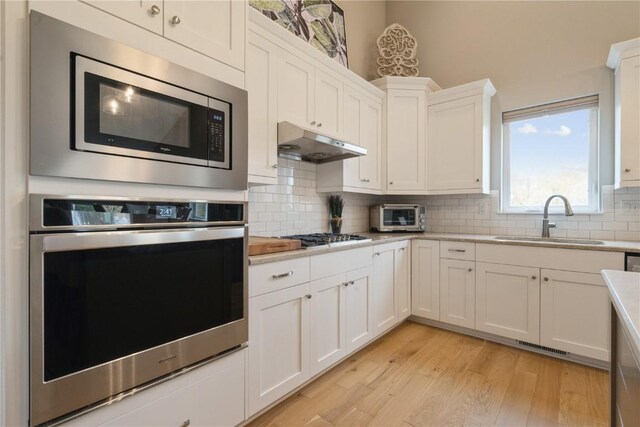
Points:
x=319 y=240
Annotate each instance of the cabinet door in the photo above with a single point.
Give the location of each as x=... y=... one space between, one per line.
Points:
x=458 y=292
x=406 y=141
x=261 y=78
x=359 y=303
x=278 y=345
x=295 y=90
x=508 y=301
x=327 y=322
x=425 y=279
x=384 y=298
x=371 y=138
x=630 y=120
x=574 y=313
x=454 y=149
x=402 y=274
x=144 y=13
x=329 y=98
x=354 y=105
x=214 y=28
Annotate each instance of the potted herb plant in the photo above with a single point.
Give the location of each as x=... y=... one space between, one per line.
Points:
x=336 y=204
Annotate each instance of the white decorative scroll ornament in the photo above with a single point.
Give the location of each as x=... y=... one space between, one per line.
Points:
x=397 y=50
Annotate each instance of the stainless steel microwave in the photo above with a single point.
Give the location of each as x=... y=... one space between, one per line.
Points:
x=103 y=110
x=397 y=217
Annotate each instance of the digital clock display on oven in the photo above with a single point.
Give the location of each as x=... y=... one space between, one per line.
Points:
x=166 y=212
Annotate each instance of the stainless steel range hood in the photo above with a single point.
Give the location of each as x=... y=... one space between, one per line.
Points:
x=298 y=143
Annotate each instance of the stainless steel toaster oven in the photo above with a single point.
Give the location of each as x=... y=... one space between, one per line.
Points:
x=397 y=217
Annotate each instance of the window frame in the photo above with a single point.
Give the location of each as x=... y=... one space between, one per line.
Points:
x=583 y=103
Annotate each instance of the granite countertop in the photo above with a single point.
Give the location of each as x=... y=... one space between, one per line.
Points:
x=378 y=238
x=624 y=291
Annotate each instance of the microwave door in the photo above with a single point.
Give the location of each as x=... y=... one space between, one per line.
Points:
x=123 y=113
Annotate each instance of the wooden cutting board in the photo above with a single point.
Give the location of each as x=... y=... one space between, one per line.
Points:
x=269 y=245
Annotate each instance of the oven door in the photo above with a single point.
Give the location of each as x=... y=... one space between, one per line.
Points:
x=112 y=310
x=400 y=218
x=124 y=113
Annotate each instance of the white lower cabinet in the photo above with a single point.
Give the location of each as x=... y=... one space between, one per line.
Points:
x=425 y=279
x=328 y=322
x=384 y=298
x=508 y=301
x=574 y=313
x=359 y=303
x=457 y=292
x=402 y=273
x=278 y=344
x=212 y=394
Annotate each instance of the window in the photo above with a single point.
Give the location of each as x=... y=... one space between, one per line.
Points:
x=551 y=149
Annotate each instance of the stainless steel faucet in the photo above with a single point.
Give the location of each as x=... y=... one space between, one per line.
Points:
x=546 y=225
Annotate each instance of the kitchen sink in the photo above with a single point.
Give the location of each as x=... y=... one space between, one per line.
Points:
x=550 y=239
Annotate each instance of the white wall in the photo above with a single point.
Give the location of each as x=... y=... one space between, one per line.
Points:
x=534 y=52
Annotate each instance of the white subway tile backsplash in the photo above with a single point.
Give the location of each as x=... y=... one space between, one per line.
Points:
x=294 y=207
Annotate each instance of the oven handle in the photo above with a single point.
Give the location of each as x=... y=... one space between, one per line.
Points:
x=111 y=239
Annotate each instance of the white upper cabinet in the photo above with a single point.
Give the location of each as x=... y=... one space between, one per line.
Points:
x=328 y=103
x=458 y=139
x=296 y=79
x=624 y=58
x=362 y=125
x=214 y=28
x=143 y=13
x=405 y=133
x=261 y=79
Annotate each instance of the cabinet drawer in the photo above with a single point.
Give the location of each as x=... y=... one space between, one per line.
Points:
x=209 y=395
x=333 y=263
x=458 y=250
x=278 y=275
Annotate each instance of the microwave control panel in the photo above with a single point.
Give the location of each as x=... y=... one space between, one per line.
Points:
x=216 y=135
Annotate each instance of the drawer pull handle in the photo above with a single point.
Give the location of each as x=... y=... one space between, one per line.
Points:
x=186 y=423
x=308 y=296
x=281 y=275
x=458 y=250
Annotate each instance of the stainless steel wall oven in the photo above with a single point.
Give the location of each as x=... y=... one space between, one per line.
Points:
x=126 y=291
x=103 y=110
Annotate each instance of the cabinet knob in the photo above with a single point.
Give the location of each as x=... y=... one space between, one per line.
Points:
x=186 y=423
x=365 y=180
x=627 y=170
x=477 y=179
x=275 y=166
x=313 y=123
x=351 y=282
x=308 y=296
x=319 y=125
x=534 y=277
x=154 y=10
x=175 y=20
x=390 y=182
x=546 y=279
x=470 y=270
x=402 y=249
x=345 y=284
x=377 y=254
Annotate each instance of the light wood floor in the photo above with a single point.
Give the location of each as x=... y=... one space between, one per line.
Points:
x=418 y=375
